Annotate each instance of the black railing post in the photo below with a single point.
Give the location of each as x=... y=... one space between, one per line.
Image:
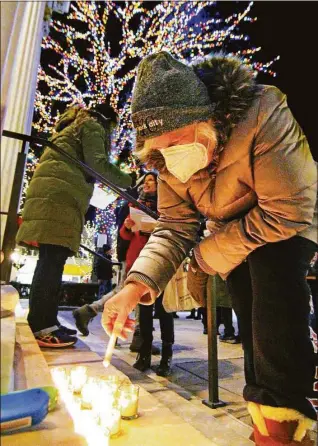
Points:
x=11 y=228
x=213 y=402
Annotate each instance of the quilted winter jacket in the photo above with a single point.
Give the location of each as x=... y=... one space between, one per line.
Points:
x=59 y=193
x=264 y=191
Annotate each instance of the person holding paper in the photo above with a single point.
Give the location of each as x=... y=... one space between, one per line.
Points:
x=138 y=234
x=230 y=149
x=56 y=202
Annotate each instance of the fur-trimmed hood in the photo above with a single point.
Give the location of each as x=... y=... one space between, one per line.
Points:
x=81 y=114
x=231 y=87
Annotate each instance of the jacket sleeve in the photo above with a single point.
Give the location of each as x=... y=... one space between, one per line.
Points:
x=285 y=182
x=94 y=143
x=173 y=237
x=125 y=234
x=97 y=268
x=103 y=269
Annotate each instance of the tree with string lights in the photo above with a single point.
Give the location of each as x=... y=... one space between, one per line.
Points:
x=92 y=53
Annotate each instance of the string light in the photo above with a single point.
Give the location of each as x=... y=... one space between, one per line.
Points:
x=188 y=30
x=185 y=29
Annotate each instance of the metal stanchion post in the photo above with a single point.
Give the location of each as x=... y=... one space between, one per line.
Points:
x=12 y=223
x=213 y=402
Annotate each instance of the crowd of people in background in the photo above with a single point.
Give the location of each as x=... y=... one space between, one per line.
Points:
x=226 y=149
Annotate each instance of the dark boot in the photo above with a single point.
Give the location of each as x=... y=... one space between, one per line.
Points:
x=136 y=341
x=136 y=344
x=155 y=350
x=83 y=316
x=143 y=362
x=143 y=358
x=164 y=368
x=191 y=315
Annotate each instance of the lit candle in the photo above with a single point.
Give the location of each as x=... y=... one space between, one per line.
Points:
x=60 y=377
x=106 y=398
x=110 y=421
x=128 y=401
x=109 y=390
x=111 y=379
x=90 y=392
x=78 y=377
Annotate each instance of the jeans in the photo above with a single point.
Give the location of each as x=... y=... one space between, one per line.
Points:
x=46 y=284
x=146 y=325
x=271 y=300
x=105 y=287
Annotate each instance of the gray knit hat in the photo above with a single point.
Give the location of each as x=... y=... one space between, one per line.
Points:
x=167 y=95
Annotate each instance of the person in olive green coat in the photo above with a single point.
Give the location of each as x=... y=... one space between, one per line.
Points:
x=56 y=203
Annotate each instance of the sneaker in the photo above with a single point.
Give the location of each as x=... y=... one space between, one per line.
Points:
x=68 y=331
x=230 y=339
x=55 y=339
x=205 y=330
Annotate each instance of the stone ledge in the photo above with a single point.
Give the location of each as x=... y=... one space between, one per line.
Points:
x=9 y=300
x=9 y=297
x=31 y=370
x=7 y=353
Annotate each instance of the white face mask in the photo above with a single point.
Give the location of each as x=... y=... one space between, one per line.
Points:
x=185 y=160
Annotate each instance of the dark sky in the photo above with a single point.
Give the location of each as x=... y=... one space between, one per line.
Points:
x=289 y=28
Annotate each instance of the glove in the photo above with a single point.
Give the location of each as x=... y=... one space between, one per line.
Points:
x=197 y=282
x=116 y=312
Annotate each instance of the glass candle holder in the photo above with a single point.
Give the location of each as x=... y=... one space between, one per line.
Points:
x=109 y=420
x=108 y=391
x=111 y=379
x=107 y=397
x=90 y=393
x=78 y=377
x=128 y=401
x=60 y=377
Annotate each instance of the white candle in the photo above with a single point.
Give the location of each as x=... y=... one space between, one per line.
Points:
x=78 y=377
x=128 y=401
x=90 y=392
x=60 y=377
x=106 y=398
x=110 y=421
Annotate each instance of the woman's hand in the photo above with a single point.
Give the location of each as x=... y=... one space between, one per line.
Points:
x=129 y=223
x=116 y=312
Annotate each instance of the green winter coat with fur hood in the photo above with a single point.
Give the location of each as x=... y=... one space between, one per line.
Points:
x=59 y=192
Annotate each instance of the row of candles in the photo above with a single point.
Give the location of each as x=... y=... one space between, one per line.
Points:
x=97 y=405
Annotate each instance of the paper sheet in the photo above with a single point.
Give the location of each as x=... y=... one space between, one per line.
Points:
x=100 y=199
x=142 y=221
